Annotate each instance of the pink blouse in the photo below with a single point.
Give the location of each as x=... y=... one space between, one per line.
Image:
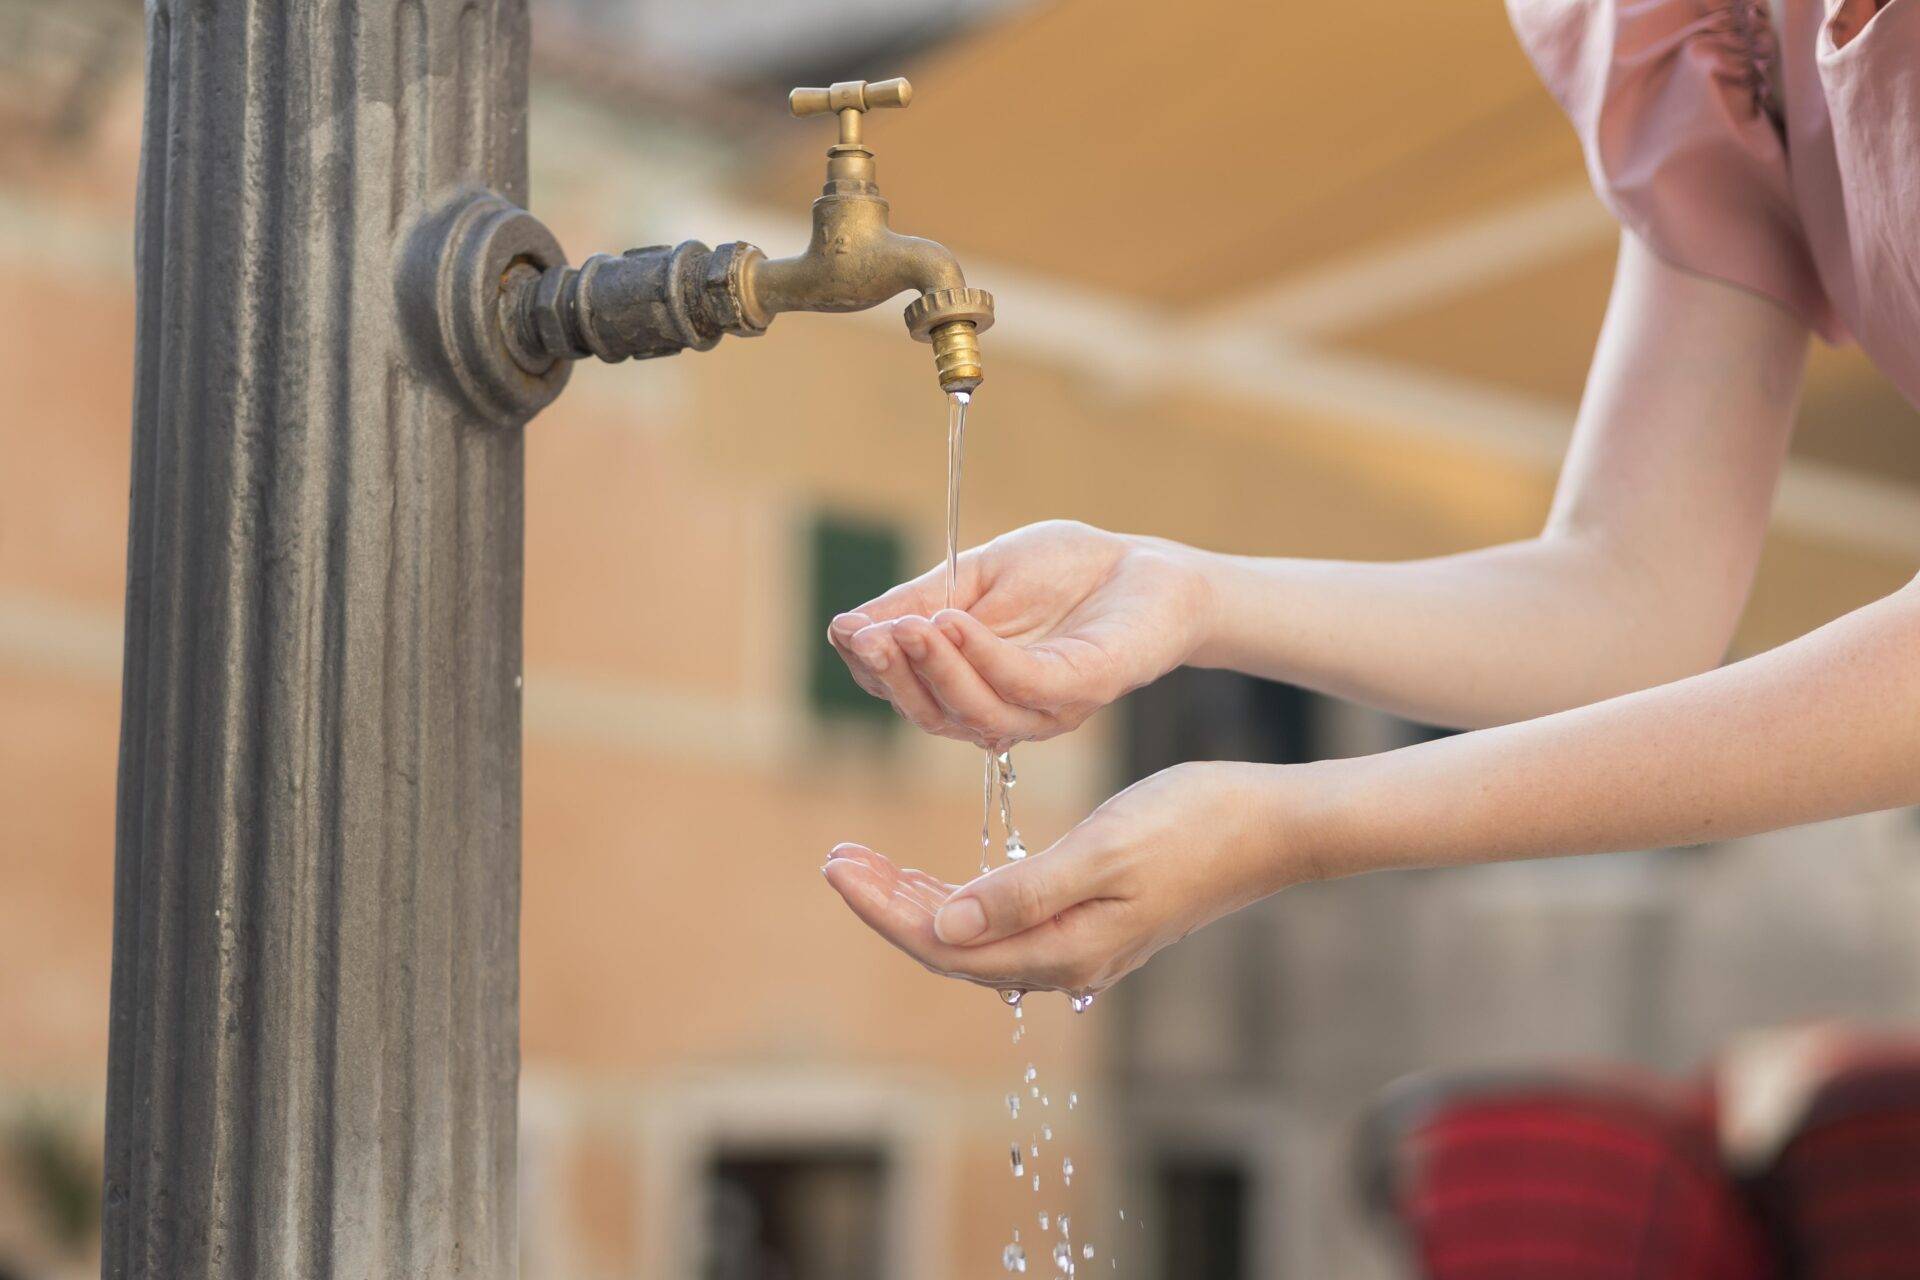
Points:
x=1788 y=166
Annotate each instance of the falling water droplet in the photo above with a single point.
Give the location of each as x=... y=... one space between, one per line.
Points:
x=1013 y=1105
x=1019 y=1165
x=1034 y=1151
x=1033 y=1073
x=1043 y=1220
x=1082 y=1003
x=1015 y=850
x=1086 y=1251
x=1013 y=1258
x=1066 y=1170
x=1062 y=1256
x=1066 y=1227
x=986 y=817
x=1073 y=1099
x=1045 y=1101
x=1046 y=1132
x=1036 y=1182
x=1012 y=996
x=1034 y=1091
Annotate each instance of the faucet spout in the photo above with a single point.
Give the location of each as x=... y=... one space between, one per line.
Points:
x=851 y=264
x=661 y=300
x=855 y=260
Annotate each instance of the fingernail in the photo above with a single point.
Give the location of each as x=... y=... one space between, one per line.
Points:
x=913 y=642
x=961 y=920
x=846 y=624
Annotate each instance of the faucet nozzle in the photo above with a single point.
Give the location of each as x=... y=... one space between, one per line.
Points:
x=956 y=355
x=952 y=320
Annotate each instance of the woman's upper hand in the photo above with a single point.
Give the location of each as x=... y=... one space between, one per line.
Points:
x=1169 y=854
x=1050 y=623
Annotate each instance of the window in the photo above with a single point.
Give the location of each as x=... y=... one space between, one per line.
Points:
x=1203 y=1219
x=851 y=562
x=813 y=1215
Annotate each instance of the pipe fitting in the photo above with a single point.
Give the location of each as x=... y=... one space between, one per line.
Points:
x=640 y=305
x=952 y=320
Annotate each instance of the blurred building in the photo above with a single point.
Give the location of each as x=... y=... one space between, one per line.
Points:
x=1315 y=282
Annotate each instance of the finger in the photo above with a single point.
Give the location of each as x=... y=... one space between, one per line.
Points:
x=968 y=701
x=878 y=648
x=923 y=890
x=928 y=592
x=933 y=884
x=1024 y=895
x=877 y=862
x=1057 y=956
x=840 y=634
x=1044 y=677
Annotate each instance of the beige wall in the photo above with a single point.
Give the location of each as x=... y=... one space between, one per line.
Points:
x=686 y=974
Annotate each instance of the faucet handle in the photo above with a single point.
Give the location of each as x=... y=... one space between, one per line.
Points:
x=849 y=99
x=851 y=95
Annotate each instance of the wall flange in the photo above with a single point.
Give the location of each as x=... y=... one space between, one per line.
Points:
x=458 y=268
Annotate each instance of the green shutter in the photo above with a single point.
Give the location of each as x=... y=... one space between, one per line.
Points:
x=852 y=561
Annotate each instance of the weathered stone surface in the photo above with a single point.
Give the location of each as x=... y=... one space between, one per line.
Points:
x=314 y=1041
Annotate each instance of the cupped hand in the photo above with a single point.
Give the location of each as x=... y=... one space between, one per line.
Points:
x=1169 y=854
x=1050 y=623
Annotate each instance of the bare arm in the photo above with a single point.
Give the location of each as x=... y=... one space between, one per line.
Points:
x=1826 y=725
x=1643 y=567
x=1638 y=577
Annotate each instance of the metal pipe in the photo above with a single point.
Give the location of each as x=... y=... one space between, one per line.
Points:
x=662 y=300
x=314 y=1026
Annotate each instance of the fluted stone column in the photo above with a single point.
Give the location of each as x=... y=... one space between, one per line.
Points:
x=314 y=1032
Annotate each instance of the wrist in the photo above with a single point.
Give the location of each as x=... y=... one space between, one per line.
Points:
x=1198 y=575
x=1222 y=583
x=1310 y=820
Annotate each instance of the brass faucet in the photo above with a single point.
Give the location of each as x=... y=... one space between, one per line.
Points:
x=661 y=300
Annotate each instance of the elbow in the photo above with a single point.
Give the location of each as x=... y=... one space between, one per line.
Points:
x=1662 y=618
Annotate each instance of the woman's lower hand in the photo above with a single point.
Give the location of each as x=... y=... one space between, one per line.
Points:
x=1050 y=623
x=1169 y=854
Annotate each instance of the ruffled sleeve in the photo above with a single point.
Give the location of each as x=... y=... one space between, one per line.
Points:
x=1671 y=101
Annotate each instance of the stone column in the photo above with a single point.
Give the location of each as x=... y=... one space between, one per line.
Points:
x=314 y=1029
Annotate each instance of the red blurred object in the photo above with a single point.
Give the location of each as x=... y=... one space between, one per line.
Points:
x=1559 y=1178
x=1843 y=1194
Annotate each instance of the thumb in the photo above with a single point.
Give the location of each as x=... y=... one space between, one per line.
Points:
x=1008 y=900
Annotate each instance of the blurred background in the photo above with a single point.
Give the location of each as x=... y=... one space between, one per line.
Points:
x=1302 y=279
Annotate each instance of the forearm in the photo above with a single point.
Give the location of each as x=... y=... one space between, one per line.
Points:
x=1646 y=559
x=1486 y=637
x=1825 y=726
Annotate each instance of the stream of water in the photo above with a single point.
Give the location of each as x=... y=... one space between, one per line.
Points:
x=998 y=777
x=1024 y=1152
